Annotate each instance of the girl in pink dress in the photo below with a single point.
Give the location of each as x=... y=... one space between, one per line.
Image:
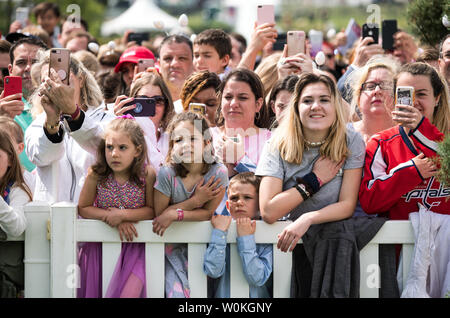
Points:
x=119 y=191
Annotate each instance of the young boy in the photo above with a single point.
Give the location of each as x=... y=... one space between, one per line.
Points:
x=256 y=259
x=212 y=52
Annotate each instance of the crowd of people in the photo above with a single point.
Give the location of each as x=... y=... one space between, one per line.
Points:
x=277 y=137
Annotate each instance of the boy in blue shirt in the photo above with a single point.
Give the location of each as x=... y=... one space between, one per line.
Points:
x=257 y=259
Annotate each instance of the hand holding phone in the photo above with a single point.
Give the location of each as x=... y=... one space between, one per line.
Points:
x=60 y=62
x=371 y=31
x=389 y=28
x=197 y=108
x=12 y=85
x=11 y=103
x=143 y=64
x=265 y=14
x=295 y=42
x=404 y=95
x=145 y=107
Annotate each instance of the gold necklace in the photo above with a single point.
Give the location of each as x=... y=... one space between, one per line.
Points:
x=314 y=144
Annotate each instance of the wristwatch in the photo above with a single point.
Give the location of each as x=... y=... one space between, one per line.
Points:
x=72 y=117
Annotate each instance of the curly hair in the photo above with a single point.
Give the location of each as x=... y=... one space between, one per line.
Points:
x=197 y=82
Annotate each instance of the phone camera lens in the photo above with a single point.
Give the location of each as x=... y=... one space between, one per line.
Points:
x=59 y=60
x=138 y=108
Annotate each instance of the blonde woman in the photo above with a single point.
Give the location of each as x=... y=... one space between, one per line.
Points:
x=373 y=97
x=301 y=164
x=67 y=127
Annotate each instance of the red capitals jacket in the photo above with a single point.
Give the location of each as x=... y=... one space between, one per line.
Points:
x=391 y=182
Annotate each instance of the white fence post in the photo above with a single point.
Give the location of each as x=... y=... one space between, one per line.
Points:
x=63 y=249
x=37 y=251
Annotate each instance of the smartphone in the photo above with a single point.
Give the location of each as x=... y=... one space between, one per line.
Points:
x=265 y=14
x=316 y=40
x=372 y=31
x=22 y=15
x=60 y=61
x=137 y=37
x=12 y=85
x=143 y=64
x=404 y=95
x=389 y=28
x=197 y=108
x=280 y=42
x=295 y=42
x=145 y=107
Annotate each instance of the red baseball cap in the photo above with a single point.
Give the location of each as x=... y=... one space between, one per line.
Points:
x=132 y=55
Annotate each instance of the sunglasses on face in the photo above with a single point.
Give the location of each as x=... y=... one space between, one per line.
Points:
x=159 y=100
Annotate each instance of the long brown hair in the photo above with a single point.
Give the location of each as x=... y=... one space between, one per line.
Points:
x=441 y=114
x=132 y=129
x=180 y=169
x=257 y=88
x=14 y=172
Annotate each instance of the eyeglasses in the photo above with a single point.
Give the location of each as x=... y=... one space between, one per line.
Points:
x=159 y=100
x=5 y=71
x=371 y=86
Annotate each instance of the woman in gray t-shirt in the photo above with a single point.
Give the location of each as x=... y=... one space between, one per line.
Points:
x=312 y=165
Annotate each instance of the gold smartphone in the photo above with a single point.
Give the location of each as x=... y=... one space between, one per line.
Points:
x=197 y=108
x=60 y=62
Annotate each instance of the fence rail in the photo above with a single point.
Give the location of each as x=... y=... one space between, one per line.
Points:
x=51 y=265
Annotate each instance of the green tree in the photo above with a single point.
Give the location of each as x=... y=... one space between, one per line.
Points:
x=425 y=17
x=91 y=11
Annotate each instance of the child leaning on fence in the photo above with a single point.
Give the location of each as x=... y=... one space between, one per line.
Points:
x=257 y=259
x=14 y=195
x=189 y=187
x=119 y=191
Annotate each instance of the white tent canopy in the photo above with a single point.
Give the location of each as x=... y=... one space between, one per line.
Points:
x=139 y=18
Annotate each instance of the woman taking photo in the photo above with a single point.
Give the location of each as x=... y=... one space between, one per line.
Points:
x=150 y=84
x=399 y=171
x=63 y=149
x=202 y=87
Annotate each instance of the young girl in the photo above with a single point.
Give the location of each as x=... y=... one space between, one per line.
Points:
x=119 y=191
x=189 y=187
x=14 y=195
x=16 y=133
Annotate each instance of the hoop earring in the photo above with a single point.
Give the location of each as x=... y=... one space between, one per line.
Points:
x=257 y=115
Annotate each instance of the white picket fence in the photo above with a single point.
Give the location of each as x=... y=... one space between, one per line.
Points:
x=51 y=265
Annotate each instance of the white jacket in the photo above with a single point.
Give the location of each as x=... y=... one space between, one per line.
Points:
x=12 y=217
x=62 y=167
x=429 y=274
